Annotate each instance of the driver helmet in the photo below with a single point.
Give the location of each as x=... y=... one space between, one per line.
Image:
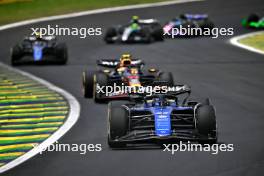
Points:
x=125 y=60
x=160 y=101
x=135 y=19
x=135 y=26
x=134 y=71
x=38 y=35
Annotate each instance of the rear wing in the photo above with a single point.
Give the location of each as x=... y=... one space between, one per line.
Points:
x=33 y=38
x=196 y=16
x=172 y=90
x=148 y=21
x=112 y=63
x=173 y=93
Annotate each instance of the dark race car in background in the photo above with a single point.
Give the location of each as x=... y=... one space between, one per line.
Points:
x=186 y=21
x=253 y=21
x=161 y=118
x=144 y=31
x=44 y=50
x=108 y=74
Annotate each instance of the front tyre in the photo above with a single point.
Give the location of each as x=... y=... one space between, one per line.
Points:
x=117 y=124
x=206 y=124
x=88 y=84
x=100 y=79
x=157 y=32
x=110 y=33
x=146 y=35
x=16 y=53
x=62 y=53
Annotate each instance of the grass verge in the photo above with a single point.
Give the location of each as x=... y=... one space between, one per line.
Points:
x=22 y=10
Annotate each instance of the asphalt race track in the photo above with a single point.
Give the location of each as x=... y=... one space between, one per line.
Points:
x=233 y=78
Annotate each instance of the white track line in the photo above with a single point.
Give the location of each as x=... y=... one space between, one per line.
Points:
x=235 y=41
x=74 y=104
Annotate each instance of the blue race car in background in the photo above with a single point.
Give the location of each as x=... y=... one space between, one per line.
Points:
x=161 y=118
x=188 y=21
x=39 y=50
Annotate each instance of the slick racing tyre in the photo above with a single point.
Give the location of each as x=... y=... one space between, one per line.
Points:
x=206 y=123
x=100 y=79
x=252 y=18
x=146 y=35
x=157 y=32
x=110 y=33
x=117 y=123
x=88 y=84
x=205 y=101
x=207 y=24
x=16 y=53
x=61 y=53
x=167 y=77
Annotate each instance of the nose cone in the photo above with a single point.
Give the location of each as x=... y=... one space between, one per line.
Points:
x=37 y=53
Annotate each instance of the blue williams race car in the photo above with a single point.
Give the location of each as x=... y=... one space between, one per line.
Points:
x=161 y=118
x=39 y=49
x=201 y=21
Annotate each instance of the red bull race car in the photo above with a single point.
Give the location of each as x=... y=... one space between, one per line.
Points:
x=118 y=79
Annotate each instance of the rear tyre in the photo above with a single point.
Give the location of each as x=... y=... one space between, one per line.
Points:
x=16 y=53
x=100 y=79
x=208 y=24
x=205 y=101
x=117 y=124
x=88 y=84
x=110 y=33
x=147 y=38
x=252 y=18
x=157 y=32
x=167 y=77
x=206 y=123
x=62 y=53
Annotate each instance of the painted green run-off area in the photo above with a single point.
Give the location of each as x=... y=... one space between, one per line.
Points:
x=255 y=41
x=18 y=148
x=29 y=114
